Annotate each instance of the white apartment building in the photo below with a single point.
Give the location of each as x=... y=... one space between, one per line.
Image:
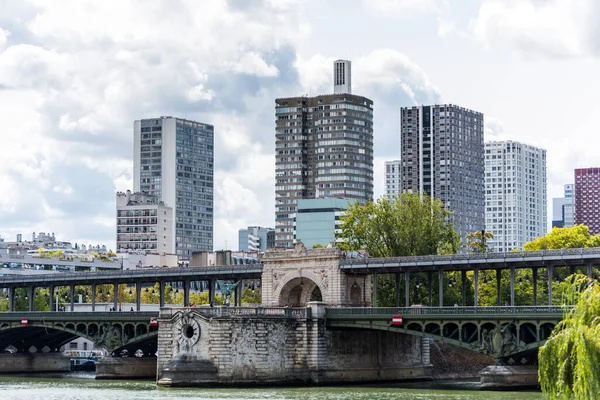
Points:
x=515 y=199
x=144 y=223
x=393 y=178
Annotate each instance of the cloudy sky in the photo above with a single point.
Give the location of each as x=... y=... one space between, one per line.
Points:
x=74 y=75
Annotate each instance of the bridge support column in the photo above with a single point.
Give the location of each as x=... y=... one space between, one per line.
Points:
x=512 y=287
x=550 y=278
x=397 y=276
x=93 y=297
x=588 y=270
x=30 y=292
x=498 y=287
x=116 y=296
x=374 y=290
x=238 y=293
x=186 y=293
x=534 y=272
x=138 y=296
x=161 y=289
x=407 y=289
x=430 y=288
x=441 y=288
x=51 y=297
x=72 y=297
x=11 y=294
x=211 y=291
x=463 y=278
x=476 y=287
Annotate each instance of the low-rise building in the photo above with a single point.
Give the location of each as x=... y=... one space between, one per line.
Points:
x=144 y=223
x=256 y=238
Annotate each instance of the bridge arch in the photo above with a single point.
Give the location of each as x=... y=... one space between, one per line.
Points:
x=297 y=288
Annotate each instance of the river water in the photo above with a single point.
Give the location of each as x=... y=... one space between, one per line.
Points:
x=83 y=386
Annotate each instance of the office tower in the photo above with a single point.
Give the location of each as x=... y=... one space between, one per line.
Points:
x=393 y=178
x=144 y=223
x=587 y=206
x=256 y=238
x=515 y=199
x=173 y=160
x=318 y=221
x=323 y=148
x=442 y=155
x=562 y=209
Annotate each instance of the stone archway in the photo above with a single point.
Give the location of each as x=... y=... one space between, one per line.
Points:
x=297 y=292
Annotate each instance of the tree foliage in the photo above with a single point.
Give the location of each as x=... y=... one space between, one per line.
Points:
x=406 y=225
x=475 y=244
x=564 y=238
x=569 y=362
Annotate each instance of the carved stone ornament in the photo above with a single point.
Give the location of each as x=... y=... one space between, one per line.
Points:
x=276 y=277
x=300 y=248
x=109 y=336
x=498 y=342
x=324 y=279
x=187 y=331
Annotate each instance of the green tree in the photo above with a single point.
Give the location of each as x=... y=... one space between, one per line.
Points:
x=406 y=225
x=569 y=362
x=475 y=244
x=564 y=238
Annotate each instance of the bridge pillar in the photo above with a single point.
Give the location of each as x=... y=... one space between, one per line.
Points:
x=238 y=293
x=512 y=287
x=588 y=270
x=93 y=297
x=498 y=287
x=138 y=296
x=211 y=291
x=72 y=297
x=11 y=293
x=463 y=278
x=430 y=287
x=407 y=289
x=30 y=292
x=550 y=278
x=186 y=293
x=116 y=296
x=375 y=290
x=51 y=297
x=476 y=287
x=441 y=287
x=397 y=277
x=534 y=273
x=161 y=289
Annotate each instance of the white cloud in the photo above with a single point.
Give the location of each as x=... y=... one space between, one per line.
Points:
x=554 y=28
x=4 y=34
x=401 y=8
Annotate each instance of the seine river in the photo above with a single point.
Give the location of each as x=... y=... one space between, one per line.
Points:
x=83 y=386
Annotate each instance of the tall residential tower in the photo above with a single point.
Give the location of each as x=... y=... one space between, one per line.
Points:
x=323 y=148
x=587 y=198
x=393 y=178
x=173 y=159
x=515 y=199
x=442 y=156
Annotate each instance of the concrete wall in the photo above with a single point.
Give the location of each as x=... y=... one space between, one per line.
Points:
x=194 y=350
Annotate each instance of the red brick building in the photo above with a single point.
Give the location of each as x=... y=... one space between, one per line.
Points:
x=587 y=201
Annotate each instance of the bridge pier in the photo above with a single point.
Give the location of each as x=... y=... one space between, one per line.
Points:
x=502 y=377
x=126 y=368
x=33 y=362
x=235 y=346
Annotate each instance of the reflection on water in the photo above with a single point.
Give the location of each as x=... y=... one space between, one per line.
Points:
x=81 y=385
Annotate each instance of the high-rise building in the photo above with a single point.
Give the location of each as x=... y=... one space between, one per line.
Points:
x=144 y=223
x=173 y=159
x=318 y=221
x=393 y=178
x=515 y=199
x=562 y=209
x=442 y=155
x=256 y=238
x=323 y=148
x=587 y=202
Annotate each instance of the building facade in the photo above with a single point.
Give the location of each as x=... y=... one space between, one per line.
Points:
x=586 y=201
x=516 y=195
x=393 y=178
x=562 y=209
x=323 y=148
x=318 y=221
x=442 y=155
x=174 y=161
x=144 y=223
x=256 y=238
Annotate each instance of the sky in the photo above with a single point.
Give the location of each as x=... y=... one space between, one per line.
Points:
x=75 y=74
